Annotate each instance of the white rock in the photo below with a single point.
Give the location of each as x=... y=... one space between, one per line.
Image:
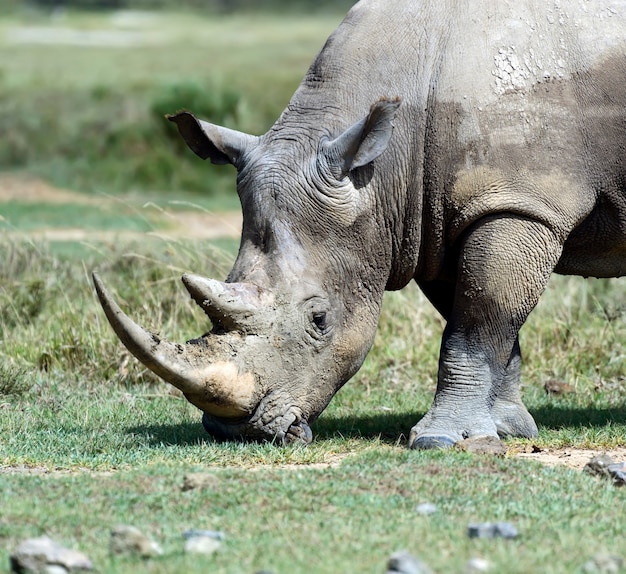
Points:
x=43 y=554
x=477 y=565
x=206 y=545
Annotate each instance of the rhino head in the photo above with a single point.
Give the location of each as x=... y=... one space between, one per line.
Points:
x=297 y=314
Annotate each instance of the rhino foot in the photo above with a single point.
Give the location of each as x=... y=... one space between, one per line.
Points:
x=505 y=419
x=513 y=420
x=437 y=432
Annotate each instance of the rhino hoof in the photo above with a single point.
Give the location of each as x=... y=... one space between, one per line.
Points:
x=429 y=442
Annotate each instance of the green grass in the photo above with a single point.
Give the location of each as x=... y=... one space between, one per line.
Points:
x=75 y=404
x=347 y=519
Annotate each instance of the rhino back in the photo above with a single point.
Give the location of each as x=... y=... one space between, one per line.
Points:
x=540 y=124
x=508 y=106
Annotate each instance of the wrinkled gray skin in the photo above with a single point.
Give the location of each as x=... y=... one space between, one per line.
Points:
x=475 y=147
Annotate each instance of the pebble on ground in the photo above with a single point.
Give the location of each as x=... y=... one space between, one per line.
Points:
x=43 y=554
x=128 y=540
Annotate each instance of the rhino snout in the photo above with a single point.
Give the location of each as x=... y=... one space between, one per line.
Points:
x=249 y=381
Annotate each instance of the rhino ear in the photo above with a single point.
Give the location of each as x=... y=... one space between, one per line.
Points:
x=220 y=145
x=364 y=141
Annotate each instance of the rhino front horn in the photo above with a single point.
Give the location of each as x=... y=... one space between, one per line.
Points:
x=204 y=372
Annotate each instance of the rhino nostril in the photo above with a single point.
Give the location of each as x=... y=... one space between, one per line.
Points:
x=298 y=433
x=320 y=320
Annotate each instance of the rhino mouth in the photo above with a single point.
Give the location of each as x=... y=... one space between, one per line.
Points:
x=208 y=370
x=287 y=427
x=298 y=432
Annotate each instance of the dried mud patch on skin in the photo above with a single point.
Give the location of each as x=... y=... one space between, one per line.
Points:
x=570 y=457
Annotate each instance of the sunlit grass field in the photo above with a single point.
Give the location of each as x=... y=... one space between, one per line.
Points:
x=90 y=439
x=76 y=405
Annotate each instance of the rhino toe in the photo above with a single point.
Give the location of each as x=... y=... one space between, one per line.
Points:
x=429 y=442
x=513 y=420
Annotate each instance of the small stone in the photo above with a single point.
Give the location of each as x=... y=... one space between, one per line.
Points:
x=618 y=473
x=603 y=465
x=603 y=564
x=199 y=480
x=37 y=555
x=554 y=387
x=477 y=565
x=215 y=534
x=599 y=465
x=202 y=545
x=205 y=542
x=404 y=563
x=129 y=540
x=492 y=530
x=483 y=530
x=506 y=530
x=482 y=445
x=426 y=508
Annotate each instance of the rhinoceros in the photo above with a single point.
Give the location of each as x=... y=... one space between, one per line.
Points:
x=474 y=147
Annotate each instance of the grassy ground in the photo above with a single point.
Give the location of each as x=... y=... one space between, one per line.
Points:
x=90 y=439
x=116 y=443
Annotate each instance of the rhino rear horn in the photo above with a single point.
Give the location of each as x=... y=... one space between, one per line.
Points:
x=229 y=304
x=364 y=141
x=208 y=141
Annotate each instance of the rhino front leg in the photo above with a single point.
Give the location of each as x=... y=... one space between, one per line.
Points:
x=504 y=265
x=508 y=412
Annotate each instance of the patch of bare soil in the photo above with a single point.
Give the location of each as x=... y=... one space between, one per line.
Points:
x=43 y=471
x=183 y=225
x=180 y=224
x=333 y=462
x=575 y=458
x=47 y=36
x=32 y=189
x=202 y=225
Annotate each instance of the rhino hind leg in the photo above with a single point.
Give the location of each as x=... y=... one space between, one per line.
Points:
x=504 y=265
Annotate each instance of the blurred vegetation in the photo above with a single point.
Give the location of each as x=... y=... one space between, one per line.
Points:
x=84 y=93
x=223 y=6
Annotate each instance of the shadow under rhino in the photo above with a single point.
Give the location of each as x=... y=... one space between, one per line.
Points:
x=388 y=427
x=384 y=426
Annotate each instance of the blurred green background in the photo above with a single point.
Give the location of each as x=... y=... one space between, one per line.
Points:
x=84 y=86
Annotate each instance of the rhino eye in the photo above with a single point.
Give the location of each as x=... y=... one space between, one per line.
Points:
x=319 y=319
